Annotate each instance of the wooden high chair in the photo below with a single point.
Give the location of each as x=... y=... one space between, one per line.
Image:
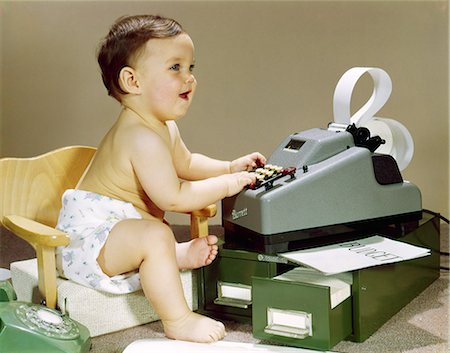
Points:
x=31 y=191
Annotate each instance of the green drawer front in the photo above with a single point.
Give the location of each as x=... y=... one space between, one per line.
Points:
x=329 y=326
x=235 y=267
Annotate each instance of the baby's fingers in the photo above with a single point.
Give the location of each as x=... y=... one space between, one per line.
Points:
x=247 y=178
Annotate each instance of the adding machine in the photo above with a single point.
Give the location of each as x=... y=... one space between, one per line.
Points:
x=330 y=185
x=319 y=187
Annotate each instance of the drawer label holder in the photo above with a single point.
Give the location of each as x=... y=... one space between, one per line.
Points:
x=289 y=323
x=233 y=294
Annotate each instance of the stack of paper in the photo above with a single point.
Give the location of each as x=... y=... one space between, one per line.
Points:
x=340 y=284
x=356 y=254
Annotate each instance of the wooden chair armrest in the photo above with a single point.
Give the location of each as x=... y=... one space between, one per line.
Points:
x=35 y=233
x=44 y=240
x=208 y=211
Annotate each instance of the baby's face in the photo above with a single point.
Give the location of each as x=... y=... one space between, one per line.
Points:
x=164 y=73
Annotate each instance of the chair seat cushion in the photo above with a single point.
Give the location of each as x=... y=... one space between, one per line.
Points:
x=100 y=312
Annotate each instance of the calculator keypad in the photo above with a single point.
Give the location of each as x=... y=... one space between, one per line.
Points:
x=265 y=176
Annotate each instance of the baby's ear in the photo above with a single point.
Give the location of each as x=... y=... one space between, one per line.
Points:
x=128 y=80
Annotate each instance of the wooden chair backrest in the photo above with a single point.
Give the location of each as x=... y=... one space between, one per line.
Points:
x=32 y=187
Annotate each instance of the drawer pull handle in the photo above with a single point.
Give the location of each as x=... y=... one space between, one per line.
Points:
x=233 y=294
x=288 y=323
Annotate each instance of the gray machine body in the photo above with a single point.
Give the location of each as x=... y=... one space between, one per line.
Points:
x=334 y=184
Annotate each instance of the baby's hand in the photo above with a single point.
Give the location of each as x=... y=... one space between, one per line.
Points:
x=237 y=181
x=248 y=162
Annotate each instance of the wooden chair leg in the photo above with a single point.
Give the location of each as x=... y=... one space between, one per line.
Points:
x=199 y=221
x=47 y=274
x=199 y=226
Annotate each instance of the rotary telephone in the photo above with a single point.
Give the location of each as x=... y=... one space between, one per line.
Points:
x=26 y=327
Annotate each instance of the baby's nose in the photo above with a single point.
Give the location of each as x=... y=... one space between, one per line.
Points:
x=190 y=78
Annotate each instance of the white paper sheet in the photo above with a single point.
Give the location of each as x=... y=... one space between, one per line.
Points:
x=356 y=254
x=165 y=345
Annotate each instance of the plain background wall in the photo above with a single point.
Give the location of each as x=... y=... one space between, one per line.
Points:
x=265 y=70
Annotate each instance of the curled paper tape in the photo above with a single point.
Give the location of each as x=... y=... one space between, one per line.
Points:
x=343 y=94
x=399 y=143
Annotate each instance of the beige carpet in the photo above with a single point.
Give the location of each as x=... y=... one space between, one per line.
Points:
x=420 y=327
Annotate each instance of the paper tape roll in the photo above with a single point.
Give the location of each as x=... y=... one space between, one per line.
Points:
x=399 y=143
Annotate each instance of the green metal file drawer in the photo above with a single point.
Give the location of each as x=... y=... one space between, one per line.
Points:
x=299 y=314
x=232 y=271
x=377 y=293
x=380 y=292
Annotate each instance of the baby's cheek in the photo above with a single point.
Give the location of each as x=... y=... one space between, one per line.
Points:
x=164 y=93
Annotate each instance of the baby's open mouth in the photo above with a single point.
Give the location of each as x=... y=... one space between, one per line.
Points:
x=185 y=95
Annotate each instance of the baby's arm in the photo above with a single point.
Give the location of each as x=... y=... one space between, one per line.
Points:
x=153 y=164
x=196 y=166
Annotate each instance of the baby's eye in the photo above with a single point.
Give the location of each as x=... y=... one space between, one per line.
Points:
x=175 y=67
x=191 y=68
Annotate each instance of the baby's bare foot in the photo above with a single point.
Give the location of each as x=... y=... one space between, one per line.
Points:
x=195 y=328
x=197 y=253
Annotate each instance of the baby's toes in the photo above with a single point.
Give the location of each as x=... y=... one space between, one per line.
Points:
x=212 y=239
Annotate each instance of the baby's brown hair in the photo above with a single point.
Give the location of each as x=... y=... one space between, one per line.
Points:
x=124 y=42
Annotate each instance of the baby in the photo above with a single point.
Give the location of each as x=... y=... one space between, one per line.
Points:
x=142 y=168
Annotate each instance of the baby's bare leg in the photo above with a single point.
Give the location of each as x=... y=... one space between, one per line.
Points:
x=149 y=246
